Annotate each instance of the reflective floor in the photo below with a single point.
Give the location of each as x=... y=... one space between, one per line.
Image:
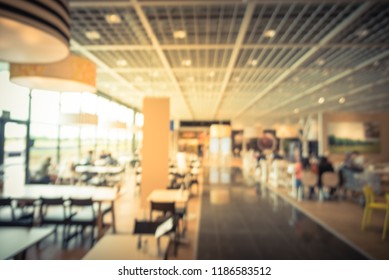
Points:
x=241 y=220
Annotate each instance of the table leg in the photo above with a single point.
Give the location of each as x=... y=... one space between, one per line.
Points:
x=113 y=216
x=99 y=221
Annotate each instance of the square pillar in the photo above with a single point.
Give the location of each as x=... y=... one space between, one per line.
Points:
x=155 y=148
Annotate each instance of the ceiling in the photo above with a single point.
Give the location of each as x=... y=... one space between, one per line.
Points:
x=248 y=61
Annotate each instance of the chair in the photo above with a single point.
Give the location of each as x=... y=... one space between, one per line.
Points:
x=12 y=216
x=370 y=206
x=169 y=208
x=331 y=181
x=386 y=222
x=53 y=211
x=85 y=215
x=150 y=227
x=308 y=179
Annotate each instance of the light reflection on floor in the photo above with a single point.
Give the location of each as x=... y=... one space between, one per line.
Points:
x=255 y=223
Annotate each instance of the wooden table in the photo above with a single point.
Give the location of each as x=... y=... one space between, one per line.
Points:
x=124 y=247
x=99 y=169
x=99 y=195
x=15 y=241
x=177 y=196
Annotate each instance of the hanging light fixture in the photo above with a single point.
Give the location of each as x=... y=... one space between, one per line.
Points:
x=34 y=31
x=73 y=74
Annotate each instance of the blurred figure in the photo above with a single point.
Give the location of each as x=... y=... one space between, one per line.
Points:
x=325 y=166
x=43 y=174
x=354 y=162
x=110 y=160
x=298 y=169
x=88 y=160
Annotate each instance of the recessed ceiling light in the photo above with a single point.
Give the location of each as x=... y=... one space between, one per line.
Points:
x=186 y=62
x=320 y=62
x=179 y=34
x=92 y=35
x=270 y=33
x=342 y=100
x=121 y=62
x=321 y=100
x=296 y=110
x=253 y=62
x=211 y=74
x=113 y=18
x=155 y=74
x=362 y=33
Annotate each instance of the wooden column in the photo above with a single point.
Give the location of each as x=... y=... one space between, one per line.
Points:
x=155 y=148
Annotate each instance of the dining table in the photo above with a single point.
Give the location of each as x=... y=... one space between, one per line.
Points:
x=14 y=241
x=99 y=195
x=127 y=247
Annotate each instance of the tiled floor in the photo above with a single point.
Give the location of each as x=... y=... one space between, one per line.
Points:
x=256 y=223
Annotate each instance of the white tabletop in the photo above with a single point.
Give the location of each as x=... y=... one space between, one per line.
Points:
x=98 y=194
x=14 y=240
x=178 y=196
x=99 y=169
x=124 y=247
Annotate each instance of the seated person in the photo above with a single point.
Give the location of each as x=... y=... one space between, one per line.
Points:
x=43 y=174
x=353 y=162
x=325 y=166
x=110 y=160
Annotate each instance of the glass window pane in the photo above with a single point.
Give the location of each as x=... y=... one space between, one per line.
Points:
x=13 y=98
x=43 y=144
x=45 y=106
x=139 y=119
x=88 y=139
x=70 y=102
x=88 y=103
x=69 y=143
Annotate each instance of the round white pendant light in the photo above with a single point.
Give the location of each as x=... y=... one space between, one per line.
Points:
x=74 y=74
x=34 y=31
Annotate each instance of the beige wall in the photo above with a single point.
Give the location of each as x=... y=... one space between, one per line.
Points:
x=155 y=150
x=381 y=118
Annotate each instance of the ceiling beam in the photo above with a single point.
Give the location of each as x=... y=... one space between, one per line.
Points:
x=334 y=32
x=104 y=67
x=356 y=91
x=235 y=53
x=147 y=27
x=231 y=46
x=326 y=82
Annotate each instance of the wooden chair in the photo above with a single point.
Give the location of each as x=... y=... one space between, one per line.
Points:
x=370 y=206
x=331 y=181
x=308 y=179
x=85 y=216
x=14 y=216
x=53 y=211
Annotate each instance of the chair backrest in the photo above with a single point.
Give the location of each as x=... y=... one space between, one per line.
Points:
x=46 y=202
x=5 y=201
x=330 y=179
x=165 y=207
x=52 y=201
x=309 y=178
x=369 y=194
x=82 y=203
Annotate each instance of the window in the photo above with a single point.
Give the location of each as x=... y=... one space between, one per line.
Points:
x=13 y=98
x=43 y=144
x=45 y=106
